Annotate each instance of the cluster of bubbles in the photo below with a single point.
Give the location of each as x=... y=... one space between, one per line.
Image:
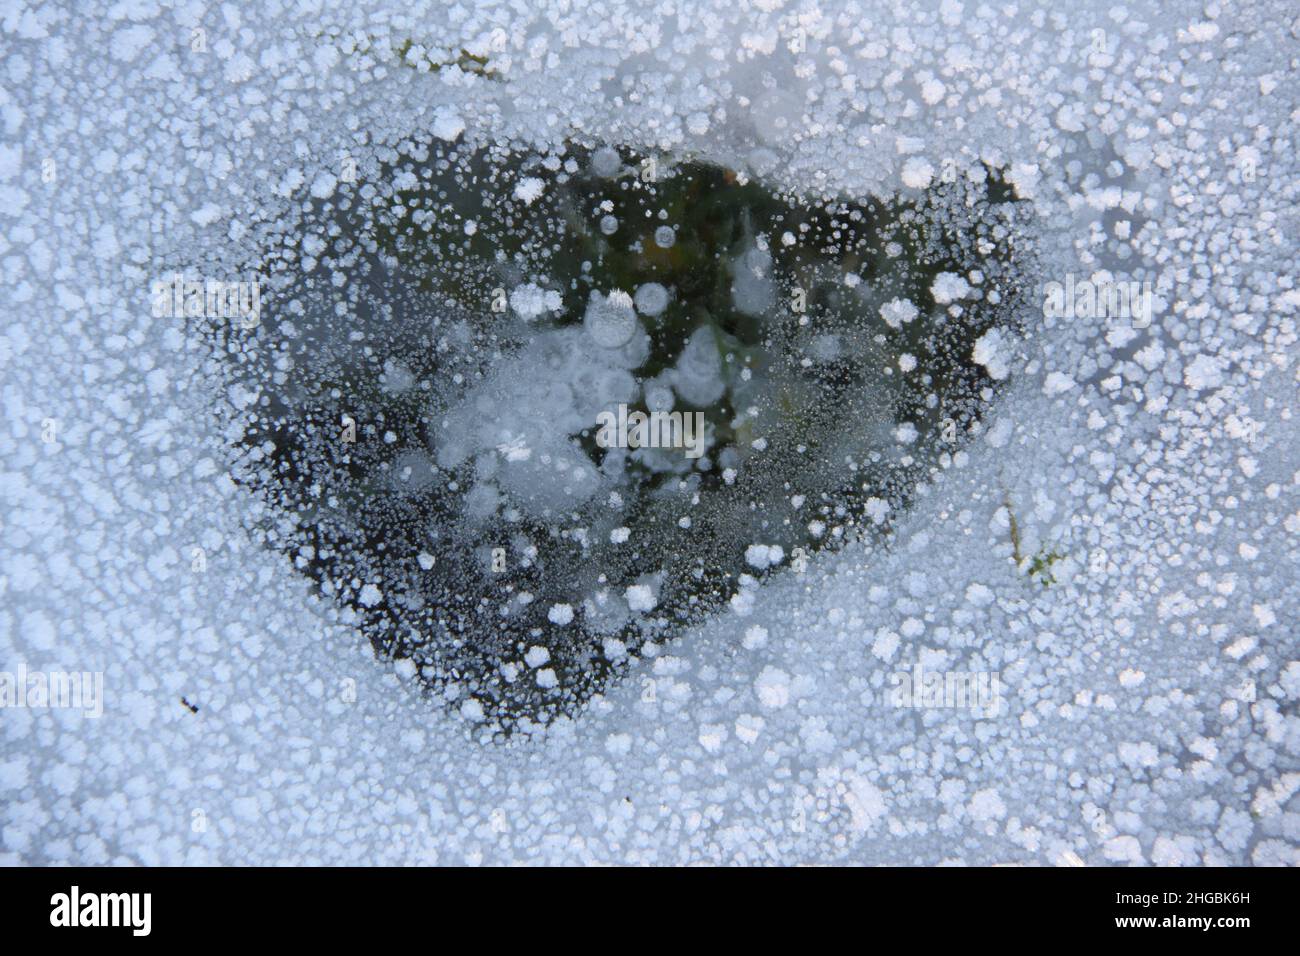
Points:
x=445 y=338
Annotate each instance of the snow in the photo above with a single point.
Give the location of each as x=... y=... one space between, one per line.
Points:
x=1204 y=372
x=530 y=301
x=1058 y=382
x=949 y=287
x=764 y=555
x=529 y=189
x=447 y=124
x=1148 y=696
x=917 y=172
x=987 y=805
x=773 y=688
x=991 y=351
x=322 y=187
x=641 y=597
x=898 y=312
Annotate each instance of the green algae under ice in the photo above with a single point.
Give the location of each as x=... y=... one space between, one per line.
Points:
x=449 y=343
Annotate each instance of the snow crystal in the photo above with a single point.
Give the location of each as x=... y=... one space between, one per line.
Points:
x=991 y=352
x=447 y=124
x=987 y=805
x=1204 y=371
x=917 y=172
x=529 y=189
x=641 y=597
x=773 y=688
x=530 y=301
x=898 y=312
x=764 y=555
x=322 y=187
x=949 y=287
x=1058 y=382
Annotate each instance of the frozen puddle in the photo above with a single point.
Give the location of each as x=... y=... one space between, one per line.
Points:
x=527 y=412
x=220 y=521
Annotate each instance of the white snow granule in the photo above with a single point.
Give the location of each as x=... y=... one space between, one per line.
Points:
x=990 y=350
x=322 y=187
x=764 y=555
x=1057 y=383
x=987 y=805
x=641 y=597
x=898 y=312
x=949 y=287
x=529 y=189
x=530 y=301
x=917 y=172
x=447 y=125
x=773 y=688
x=877 y=509
x=1204 y=371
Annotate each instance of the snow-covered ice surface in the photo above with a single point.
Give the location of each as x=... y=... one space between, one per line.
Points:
x=1146 y=476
